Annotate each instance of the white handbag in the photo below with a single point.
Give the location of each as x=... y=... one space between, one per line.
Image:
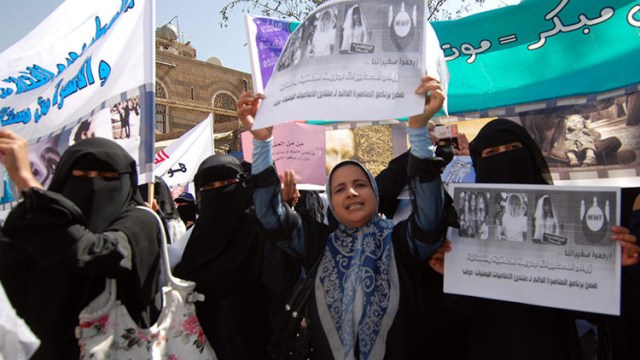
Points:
x=106 y=330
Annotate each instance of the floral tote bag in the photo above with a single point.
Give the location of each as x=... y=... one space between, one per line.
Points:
x=107 y=331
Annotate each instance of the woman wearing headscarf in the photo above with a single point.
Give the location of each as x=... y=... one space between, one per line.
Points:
x=475 y=328
x=365 y=303
x=514 y=220
x=165 y=207
x=62 y=243
x=223 y=256
x=482 y=219
x=545 y=219
x=354 y=28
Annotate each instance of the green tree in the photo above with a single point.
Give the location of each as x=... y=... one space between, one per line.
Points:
x=298 y=9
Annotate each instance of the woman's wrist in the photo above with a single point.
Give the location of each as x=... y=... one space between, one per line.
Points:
x=26 y=181
x=420 y=141
x=262 y=155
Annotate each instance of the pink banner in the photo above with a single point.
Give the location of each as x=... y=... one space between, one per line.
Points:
x=299 y=147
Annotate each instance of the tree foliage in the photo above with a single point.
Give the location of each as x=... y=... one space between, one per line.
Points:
x=298 y=9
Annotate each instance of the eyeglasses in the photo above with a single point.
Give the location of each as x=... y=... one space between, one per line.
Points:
x=219 y=183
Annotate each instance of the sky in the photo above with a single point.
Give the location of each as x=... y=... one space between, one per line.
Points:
x=198 y=21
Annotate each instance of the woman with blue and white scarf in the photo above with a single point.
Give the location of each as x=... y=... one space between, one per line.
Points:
x=366 y=302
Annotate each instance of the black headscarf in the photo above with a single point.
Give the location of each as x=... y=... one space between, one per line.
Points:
x=63 y=265
x=162 y=194
x=101 y=200
x=188 y=210
x=224 y=238
x=310 y=205
x=519 y=166
x=223 y=256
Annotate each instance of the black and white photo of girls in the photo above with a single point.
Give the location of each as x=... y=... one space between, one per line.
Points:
x=323 y=41
x=473 y=214
x=356 y=34
x=512 y=224
x=467 y=225
x=547 y=226
x=292 y=53
x=482 y=215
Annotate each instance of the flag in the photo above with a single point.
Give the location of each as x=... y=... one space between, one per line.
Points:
x=178 y=162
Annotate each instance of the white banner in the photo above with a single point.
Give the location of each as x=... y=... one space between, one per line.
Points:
x=87 y=70
x=178 y=162
x=541 y=245
x=347 y=61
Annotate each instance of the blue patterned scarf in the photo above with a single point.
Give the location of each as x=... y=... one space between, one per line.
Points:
x=356 y=289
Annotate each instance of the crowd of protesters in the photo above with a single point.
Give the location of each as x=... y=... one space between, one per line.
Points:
x=249 y=240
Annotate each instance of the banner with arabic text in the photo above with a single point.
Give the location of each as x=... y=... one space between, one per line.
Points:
x=178 y=162
x=86 y=70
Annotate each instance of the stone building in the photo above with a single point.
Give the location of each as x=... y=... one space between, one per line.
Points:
x=188 y=90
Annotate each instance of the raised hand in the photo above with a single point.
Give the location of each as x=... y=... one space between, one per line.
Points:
x=429 y=87
x=14 y=154
x=290 y=193
x=247 y=105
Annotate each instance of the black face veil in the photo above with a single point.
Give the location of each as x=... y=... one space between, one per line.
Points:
x=519 y=166
x=224 y=231
x=100 y=199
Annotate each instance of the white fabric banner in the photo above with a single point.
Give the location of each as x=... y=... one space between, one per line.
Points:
x=347 y=61
x=178 y=162
x=87 y=70
x=541 y=245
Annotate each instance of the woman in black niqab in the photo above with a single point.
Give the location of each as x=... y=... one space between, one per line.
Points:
x=503 y=152
x=519 y=165
x=166 y=208
x=61 y=244
x=223 y=256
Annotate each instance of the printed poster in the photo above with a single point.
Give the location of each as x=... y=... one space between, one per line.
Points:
x=541 y=245
x=348 y=61
x=298 y=147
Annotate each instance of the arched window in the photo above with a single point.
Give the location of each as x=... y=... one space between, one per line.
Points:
x=224 y=105
x=226 y=119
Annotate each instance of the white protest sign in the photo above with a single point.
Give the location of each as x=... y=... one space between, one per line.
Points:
x=540 y=245
x=351 y=61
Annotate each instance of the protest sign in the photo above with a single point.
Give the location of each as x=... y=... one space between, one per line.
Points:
x=298 y=147
x=348 y=61
x=86 y=70
x=541 y=245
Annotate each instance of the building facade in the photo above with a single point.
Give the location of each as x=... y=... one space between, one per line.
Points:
x=188 y=90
